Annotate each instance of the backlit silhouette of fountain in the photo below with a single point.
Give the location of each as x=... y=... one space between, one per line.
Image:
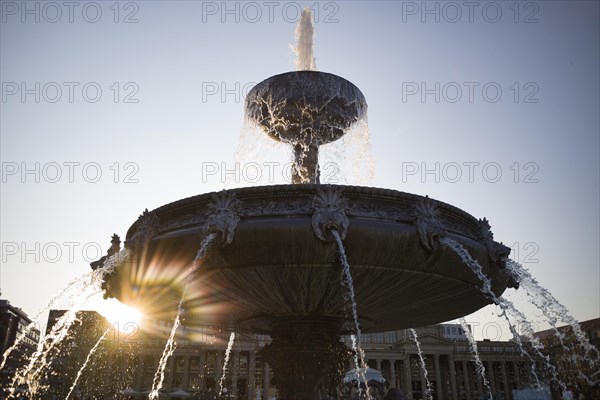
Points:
x=339 y=259
x=334 y=259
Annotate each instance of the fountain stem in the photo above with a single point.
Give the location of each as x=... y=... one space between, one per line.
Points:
x=307 y=356
x=306 y=163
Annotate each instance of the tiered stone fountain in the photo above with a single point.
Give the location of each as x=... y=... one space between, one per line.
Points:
x=274 y=266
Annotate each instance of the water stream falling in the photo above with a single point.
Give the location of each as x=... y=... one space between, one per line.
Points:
x=554 y=311
x=87 y=360
x=349 y=160
x=76 y=294
x=31 y=374
x=475 y=352
x=360 y=366
x=507 y=307
x=226 y=362
x=428 y=390
x=159 y=376
x=73 y=287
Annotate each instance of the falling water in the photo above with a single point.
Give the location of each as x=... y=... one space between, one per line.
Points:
x=73 y=286
x=159 y=376
x=304 y=42
x=79 y=292
x=554 y=311
x=87 y=360
x=349 y=160
x=475 y=352
x=507 y=306
x=31 y=374
x=359 y=357
x=227 y=354
x=72 y=291
x=428 y=391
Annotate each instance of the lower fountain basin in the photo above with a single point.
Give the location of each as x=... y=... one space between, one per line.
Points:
x=276 y=267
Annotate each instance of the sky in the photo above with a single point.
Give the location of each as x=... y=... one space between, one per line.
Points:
x=109 y=108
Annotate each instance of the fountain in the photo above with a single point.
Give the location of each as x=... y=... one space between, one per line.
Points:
x=306 y=263
x=330 y=259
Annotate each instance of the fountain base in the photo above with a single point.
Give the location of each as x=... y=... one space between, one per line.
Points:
x=307 y=357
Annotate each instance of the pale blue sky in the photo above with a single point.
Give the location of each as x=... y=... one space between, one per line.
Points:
x=177 y=48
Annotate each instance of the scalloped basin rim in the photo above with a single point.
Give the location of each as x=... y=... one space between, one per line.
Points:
x=291 y=189
x=276 y=265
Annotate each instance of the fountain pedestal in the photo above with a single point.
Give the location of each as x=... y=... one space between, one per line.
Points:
x=307 y=357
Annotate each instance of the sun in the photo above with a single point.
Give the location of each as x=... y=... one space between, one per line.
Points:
x=121 y=316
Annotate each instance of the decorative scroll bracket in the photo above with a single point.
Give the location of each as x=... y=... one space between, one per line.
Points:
x=428 y=224
x=147 y=226
x=498 y=252
x=223 y=218
x=330 y=214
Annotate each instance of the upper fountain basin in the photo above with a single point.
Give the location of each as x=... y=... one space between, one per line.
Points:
x=305 y=106
x=275 y=265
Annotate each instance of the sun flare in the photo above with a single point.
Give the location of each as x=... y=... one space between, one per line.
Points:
x=122 y=316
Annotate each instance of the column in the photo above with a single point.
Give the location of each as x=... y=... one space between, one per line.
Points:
x=201 y=368
x=378 y=363
x=504 y=381
x=516 y=372
x=235 y=371
x=393 y=373
x=452 y=376
x=251 y=377
x=438 y=377
x=465 y=369
x=407 y=378
x=186 y=373
x=170 y=373
x=490 y=368
x=445 y=373
x=266 y=380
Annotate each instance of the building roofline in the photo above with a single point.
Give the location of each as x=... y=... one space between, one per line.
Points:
x=6 y=304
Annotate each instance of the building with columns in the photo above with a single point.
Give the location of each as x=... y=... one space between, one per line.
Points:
x=452 y=373
x=447 y=354
x=196 y=365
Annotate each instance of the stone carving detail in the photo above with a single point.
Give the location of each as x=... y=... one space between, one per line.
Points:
x=330 y=214
x=384 y=212
x=115 y=247
x=195 y=218
x=498 y=252
x=148 y=225
x=429 y=226
x=223 y=217
x=270 y=207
